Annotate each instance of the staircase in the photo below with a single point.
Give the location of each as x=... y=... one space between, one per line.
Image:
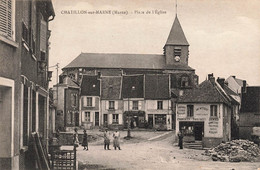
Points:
x=193 y=145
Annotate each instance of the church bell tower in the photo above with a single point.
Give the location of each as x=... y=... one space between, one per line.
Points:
x=176 y=49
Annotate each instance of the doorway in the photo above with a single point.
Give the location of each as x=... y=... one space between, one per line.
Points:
x=96 y=118
x=150 y=121
x=105 y=120
x=198 y=130
x=76 y=118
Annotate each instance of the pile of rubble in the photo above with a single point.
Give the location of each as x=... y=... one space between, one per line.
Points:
x=234 y=151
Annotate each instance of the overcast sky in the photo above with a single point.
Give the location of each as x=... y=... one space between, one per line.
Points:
x=224 y=35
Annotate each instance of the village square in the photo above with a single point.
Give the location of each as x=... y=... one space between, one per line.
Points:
x=113 y=85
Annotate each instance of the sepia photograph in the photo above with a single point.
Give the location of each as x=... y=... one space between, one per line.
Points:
x=133 y=84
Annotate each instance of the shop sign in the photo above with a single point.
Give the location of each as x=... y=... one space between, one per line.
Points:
x=213 y=127
x=181 y=110
x=201 y=111
x=191 y=119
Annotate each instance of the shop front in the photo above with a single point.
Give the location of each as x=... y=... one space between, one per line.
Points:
x=192 y=131
x=135 y=118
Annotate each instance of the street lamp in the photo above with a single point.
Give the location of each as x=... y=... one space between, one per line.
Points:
x=128 y=124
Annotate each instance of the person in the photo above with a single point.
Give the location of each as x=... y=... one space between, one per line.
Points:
x=75 y=138
x=106 y=140
x=85 y=140
x=116 y=143
x=180 y=136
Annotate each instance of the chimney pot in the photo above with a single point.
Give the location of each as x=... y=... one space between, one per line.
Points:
x=244 y=86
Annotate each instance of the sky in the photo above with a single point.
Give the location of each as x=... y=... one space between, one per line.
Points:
x=224 y=35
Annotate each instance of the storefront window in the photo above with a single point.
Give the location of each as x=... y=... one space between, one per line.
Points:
x=160 y=119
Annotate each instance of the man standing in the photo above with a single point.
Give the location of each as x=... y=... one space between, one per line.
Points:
x=116 y=143
x=180 y=136
x=106 y=140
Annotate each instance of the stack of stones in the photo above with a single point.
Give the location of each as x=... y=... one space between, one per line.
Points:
x=234 y=151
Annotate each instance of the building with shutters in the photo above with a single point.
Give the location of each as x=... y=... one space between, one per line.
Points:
x=132 y=68
x=24 y=79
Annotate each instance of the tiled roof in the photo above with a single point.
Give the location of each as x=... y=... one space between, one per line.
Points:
x=90 y=86
x=131 y=61
x=133 y=86
x=206 y=92
x=157 y=87
x=111 y=88
x=176 y=36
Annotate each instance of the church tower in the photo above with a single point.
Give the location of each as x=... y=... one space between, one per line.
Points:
x=176 y=49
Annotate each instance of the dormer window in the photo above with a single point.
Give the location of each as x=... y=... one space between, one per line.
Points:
x=184 y=81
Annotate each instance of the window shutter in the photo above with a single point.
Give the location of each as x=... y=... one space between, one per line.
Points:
x=131 y=105
x=139 y=105
x=85 y=101
x=116 y=105
x=6 y=18
x=93 y=101
x=107 y=105
x=43 y=42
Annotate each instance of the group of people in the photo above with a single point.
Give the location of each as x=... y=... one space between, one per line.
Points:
x=116 y=140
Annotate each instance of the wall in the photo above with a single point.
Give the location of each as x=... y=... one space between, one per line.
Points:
x=105 y=110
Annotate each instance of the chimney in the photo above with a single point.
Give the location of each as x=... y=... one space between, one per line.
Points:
x=234 y=77
x=221 y=82
x=211 y=78
x=244 y=86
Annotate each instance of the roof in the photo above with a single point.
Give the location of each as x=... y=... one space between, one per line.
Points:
x=133 y=86
x=206 y=92
x=90 y=86
x=111 y=88
x=116 y=60
x=157 y=87
x=251 y=99
x=176 y=36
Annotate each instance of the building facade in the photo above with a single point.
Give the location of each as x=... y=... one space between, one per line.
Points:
x=24 y=76
x=173 y=63
x=204 y=114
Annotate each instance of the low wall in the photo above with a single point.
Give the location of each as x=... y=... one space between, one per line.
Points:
x=211 y=142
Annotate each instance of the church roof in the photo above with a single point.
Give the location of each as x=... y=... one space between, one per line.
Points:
x=128 y=61
x=176 y=36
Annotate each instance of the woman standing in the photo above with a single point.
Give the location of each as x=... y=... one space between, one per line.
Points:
x=85 y=140
x=76 y=138
x=116 y=143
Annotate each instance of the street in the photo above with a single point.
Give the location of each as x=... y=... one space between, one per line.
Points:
x=158 y=151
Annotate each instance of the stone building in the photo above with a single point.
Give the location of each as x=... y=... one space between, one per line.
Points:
x=24 y=77
x=173 y=62
x=204 y=114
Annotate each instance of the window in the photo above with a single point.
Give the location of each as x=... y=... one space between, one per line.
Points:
x=135 y=105
x=87 y=116
x=213 y=110
x=159 y=105
x=115 y=119
x=73 y=98
x=184 y=81
x=160 y=119
x=111 y=104
x=6 y=18
x=177 y=51
x=25 y=34
x=89 y=101
x=190 y=112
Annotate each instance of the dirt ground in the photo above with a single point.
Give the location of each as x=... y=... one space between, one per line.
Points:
x=151 y=150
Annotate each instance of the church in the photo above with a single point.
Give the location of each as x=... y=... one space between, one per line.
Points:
x=117 y=89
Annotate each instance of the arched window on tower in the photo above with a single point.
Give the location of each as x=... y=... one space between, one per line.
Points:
x=184 y=81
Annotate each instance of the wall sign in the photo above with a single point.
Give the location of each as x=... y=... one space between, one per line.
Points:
x=213 y=127
x=181 y=110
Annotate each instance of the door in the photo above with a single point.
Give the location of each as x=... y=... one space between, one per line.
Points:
x=105 y=120
x=198 y=130
x=96 y=118
x=150 y=121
